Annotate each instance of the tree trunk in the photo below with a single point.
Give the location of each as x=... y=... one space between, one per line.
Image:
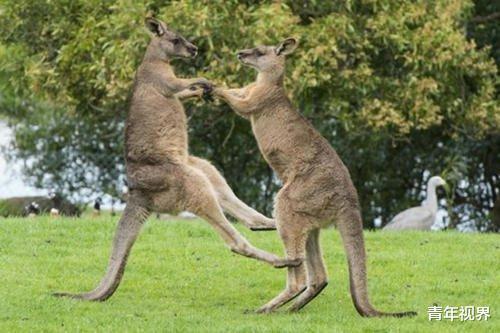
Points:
x=495 y=216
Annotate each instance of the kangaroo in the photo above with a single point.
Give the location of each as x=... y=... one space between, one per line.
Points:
x=161 y=176
x=317 y=188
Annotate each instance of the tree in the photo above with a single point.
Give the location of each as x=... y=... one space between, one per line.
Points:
x=396 y=87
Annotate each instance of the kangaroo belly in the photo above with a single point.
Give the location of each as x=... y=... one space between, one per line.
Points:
x=156 y=177
x=156 y=131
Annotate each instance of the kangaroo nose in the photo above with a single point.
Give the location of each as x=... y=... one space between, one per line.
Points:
x=193 y=50
x=240 y=54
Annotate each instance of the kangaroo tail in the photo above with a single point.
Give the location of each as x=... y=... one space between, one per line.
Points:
x=351 y=230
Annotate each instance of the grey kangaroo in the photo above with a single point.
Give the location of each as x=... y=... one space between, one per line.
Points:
x=317 y=188
x=162 y=177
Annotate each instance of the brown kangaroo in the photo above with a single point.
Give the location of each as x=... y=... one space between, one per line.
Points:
x=317 y=188
x=162 y=177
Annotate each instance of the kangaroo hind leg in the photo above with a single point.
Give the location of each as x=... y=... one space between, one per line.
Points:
x=316 y=272
x=295 y=247
x=200 y=198
x=127 y=231
x=228 y=200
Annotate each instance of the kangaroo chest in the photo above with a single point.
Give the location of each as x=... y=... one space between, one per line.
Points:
x=156 y=130
x=272 y=142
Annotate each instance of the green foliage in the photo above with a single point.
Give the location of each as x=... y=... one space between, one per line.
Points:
x=484 y=27
x=181 y=278
x=396 y=87
x=8 y=208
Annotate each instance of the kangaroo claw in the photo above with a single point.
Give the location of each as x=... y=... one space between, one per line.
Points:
x=262 y=228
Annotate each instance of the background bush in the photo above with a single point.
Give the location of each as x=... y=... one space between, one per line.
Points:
x=402 y=89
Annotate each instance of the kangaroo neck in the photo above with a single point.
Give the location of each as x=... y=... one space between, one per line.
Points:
x=154 y=55
x=152 y=64
x=268 y=79
x=271 y=89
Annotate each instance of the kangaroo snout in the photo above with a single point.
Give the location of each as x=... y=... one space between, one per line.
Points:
x=242 y=54
x=193 y=50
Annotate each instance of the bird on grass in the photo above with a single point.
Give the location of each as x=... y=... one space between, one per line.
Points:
x=54 y=212
x=97 y=206
x=422 y=217
x=33 y=209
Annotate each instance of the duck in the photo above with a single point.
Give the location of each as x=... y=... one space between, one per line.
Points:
x=421 y=217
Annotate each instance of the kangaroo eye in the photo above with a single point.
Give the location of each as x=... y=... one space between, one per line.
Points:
x=258 y=53
x=176 y=41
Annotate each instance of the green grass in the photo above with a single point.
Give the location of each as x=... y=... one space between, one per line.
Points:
x=181 y=278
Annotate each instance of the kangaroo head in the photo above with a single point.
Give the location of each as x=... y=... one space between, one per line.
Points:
x=167 y=43
x=268 y=59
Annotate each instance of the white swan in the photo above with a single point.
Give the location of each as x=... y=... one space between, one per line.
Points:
x=419 y=218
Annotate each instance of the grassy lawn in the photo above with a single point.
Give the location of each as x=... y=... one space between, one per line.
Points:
x=181 y=278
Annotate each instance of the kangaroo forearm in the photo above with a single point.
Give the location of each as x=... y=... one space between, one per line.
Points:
x=188 y=93
x=240 y=105
x=177 y=85
x=240 y=93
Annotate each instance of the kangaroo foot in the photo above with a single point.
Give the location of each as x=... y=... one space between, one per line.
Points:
x=263 y=224
x=282 y=263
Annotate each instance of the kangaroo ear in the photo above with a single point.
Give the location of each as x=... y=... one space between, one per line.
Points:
x=156 y=27
x=287 y=46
